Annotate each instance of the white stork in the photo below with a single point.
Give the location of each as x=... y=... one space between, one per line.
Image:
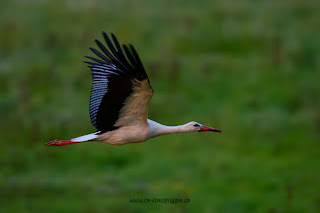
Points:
x=119 y=99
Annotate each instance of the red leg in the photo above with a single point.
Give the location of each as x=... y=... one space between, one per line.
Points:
x=60 y=142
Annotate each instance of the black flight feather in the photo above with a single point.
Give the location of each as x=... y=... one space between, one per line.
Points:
x=112 y=81
x=99 y=54
x=96 y=60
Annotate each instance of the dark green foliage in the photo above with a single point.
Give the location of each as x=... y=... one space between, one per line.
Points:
x=249 y=68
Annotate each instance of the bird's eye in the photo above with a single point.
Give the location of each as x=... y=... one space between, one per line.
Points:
x=196 y=125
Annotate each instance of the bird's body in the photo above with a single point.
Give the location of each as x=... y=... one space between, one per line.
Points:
x=119 y=100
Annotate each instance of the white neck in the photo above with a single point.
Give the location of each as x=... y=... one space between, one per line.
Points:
x=156 y=129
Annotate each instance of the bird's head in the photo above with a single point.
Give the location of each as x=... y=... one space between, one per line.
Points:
x=197 y=127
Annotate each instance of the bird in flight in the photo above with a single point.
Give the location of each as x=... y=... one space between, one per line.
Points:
x=119 y=99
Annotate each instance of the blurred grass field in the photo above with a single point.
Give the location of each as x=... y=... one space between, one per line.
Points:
x=250 y=68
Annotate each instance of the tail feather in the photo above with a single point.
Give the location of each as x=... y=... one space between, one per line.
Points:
x=88 y=137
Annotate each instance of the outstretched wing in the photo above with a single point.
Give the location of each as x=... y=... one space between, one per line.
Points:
x=121 y=89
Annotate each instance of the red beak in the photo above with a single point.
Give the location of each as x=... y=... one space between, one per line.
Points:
x=208 y=128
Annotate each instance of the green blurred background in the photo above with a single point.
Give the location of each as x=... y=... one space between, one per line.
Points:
x=250 y=68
